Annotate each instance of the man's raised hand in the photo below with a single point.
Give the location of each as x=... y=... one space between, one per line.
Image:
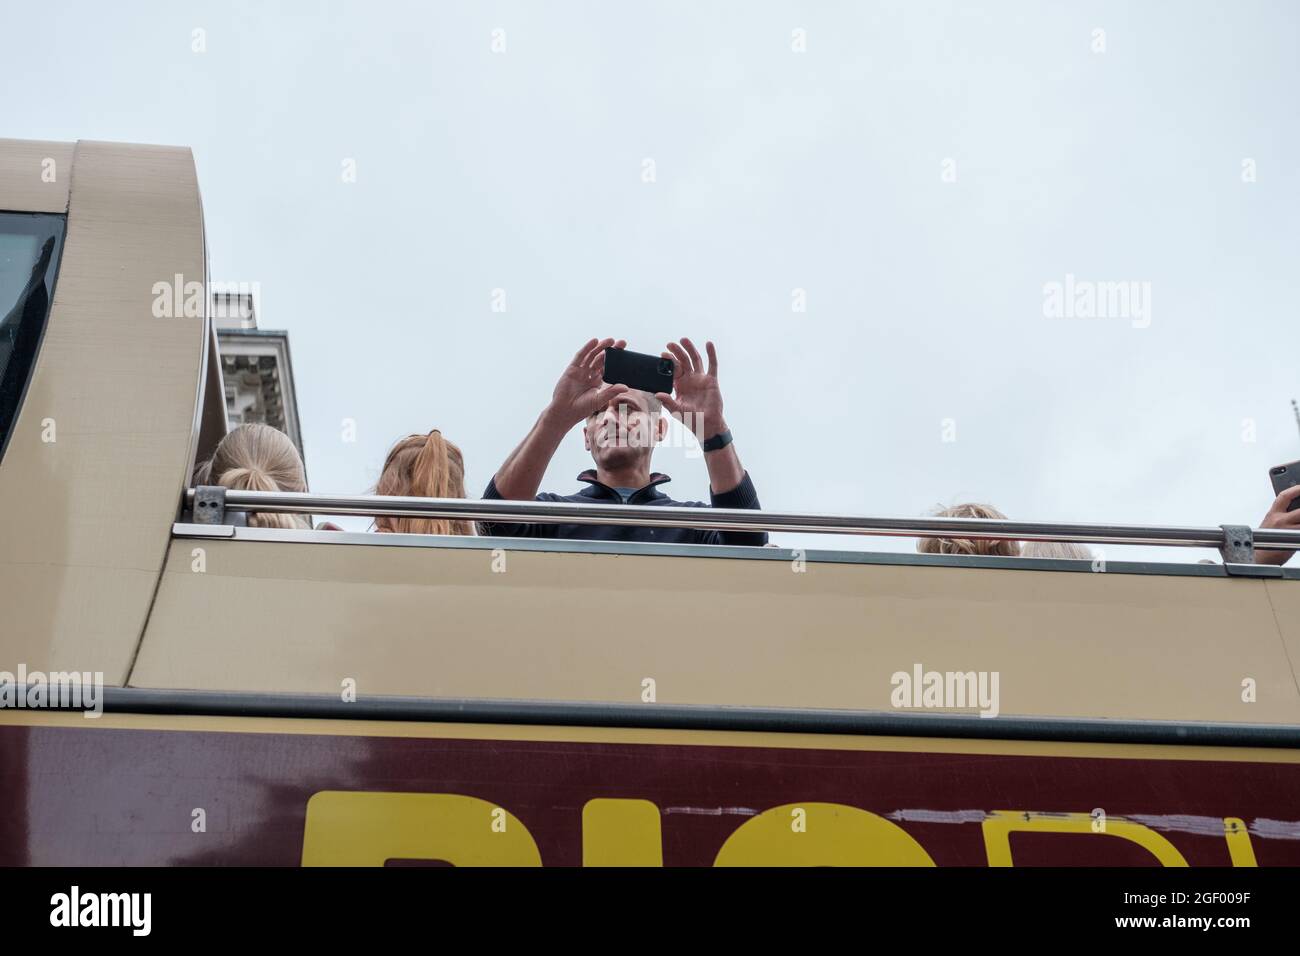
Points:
x=580 y=390
x=695 y=388
x=1278 y=517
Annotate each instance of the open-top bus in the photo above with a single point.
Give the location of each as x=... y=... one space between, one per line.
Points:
x=322 y=697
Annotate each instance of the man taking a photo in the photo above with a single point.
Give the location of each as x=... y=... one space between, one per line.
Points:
x=621 y=428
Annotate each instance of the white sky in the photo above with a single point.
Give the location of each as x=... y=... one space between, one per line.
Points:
x=776 y=170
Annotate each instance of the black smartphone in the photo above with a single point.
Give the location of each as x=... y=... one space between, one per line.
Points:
x=649 y=373
x=1284 y=476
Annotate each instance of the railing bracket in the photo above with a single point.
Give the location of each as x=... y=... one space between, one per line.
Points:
x=210 y=504
x=1238 y=544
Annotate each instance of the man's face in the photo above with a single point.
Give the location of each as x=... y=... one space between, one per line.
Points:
x=624 y=431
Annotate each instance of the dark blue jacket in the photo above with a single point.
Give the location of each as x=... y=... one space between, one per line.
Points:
x=742 y=496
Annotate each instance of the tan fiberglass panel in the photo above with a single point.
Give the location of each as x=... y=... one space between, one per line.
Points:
x=86 y=516
x=1284 y=597
x=34 y=175
x=298 y=617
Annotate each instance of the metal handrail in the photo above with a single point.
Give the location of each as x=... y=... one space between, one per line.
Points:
x=736 y=519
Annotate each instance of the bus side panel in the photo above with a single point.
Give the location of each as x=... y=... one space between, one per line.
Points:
x=426 y=621
x=143 y=790
x=96 y=461
x=34 y=175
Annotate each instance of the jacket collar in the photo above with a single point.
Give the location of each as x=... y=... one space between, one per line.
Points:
x=597 y=489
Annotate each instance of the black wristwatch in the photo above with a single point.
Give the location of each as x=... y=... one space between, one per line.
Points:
x=720 y=440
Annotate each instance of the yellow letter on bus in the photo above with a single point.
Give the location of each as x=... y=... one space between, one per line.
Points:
x=359 y=828
x=831 y=834
x=621 y=833
x=1000 y=824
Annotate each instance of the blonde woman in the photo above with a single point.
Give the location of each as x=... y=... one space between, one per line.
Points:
x=257 y=458
x=423 y=466
x=986 y=546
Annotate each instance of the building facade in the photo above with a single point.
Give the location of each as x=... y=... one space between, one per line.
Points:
x=256 y=368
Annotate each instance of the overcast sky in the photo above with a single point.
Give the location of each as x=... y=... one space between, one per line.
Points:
x=922 y=171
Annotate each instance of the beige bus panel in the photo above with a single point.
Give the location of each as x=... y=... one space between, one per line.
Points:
x=86 y=516
x=422 y=621
x=1285 y=602
x=34 y=175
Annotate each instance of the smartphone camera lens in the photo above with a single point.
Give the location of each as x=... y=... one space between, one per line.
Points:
x=665 y=367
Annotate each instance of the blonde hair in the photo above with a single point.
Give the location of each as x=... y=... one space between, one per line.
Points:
x=1056 y=549
x=986 y=546
x=423 y=466
x=257 y=457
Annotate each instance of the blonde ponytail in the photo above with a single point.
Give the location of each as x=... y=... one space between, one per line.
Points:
x=423 y=466
x=430 y=473
x=247 y=479
x=257 y=457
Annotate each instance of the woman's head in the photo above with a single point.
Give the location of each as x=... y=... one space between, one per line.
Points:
x=257 y=458
x=988 y=546
x=1056 y=549
x=423 y=466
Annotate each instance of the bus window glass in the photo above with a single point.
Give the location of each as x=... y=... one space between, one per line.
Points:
x=30 y=244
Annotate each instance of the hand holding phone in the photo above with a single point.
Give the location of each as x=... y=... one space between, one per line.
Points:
x=1284 y=477
x=648 y=373
x=1284 y=513
x=579 y=392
